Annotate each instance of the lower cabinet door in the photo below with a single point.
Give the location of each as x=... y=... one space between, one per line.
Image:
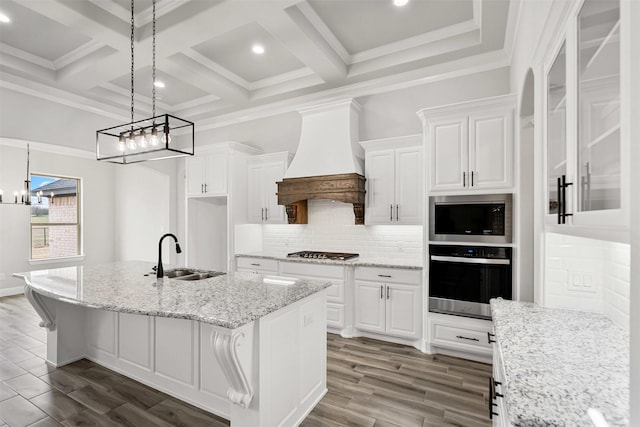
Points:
x=370 y=305
x=335 y=315
x=403 y=310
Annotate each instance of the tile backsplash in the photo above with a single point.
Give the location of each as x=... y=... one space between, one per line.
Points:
x=588 y=274
x=331 y=228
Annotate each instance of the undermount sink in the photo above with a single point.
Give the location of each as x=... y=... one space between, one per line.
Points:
x=191 y=274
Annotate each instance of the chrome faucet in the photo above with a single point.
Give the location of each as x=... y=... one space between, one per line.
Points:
x=160 y=270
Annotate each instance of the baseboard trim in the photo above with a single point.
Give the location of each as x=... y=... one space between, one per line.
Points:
x=17 y=290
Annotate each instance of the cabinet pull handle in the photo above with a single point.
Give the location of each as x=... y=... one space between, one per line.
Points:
x=467 y=338
x=205 y=188
x=472 y=178
x=464 y=179
x=257 y=265
x=390 y=212
x=388 y=293
x=489 y=336
x=262 y=214
x=491 y=397
x=384 y=275
x=266 y=214
x=397 y=213
x=559 y=196
x=563 y=205
x=381 y=292
x=202 y=187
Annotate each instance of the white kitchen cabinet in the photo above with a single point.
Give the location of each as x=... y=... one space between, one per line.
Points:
x=207 y=175
x=470 y=145
x=256 y=265
x=262 y=200
x=585 y=99
x=394 y=171
x=389 y=301
x=336 y=293
x=464 y=335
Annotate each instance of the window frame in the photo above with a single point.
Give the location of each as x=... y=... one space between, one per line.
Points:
x=78 y=224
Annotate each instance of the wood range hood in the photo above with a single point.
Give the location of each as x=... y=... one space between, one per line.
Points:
x=347 y=188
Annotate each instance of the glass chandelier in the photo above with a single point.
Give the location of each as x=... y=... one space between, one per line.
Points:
x=158 y=137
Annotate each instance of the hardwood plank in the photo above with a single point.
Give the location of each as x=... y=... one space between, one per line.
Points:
x=182 y=415
x=132 y=416
x=97 y=399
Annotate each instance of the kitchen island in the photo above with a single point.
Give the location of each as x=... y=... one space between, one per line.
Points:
x=249 y=348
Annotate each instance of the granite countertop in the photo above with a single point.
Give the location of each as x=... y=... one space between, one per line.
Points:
x=409 y=263
x=230 y=300
x=559 y=363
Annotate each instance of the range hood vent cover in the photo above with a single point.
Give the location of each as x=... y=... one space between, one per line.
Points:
x=328 y=163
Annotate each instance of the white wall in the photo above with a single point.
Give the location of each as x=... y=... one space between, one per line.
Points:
x=97 y=207
x=36 y=119
x=394 y=113
x=141 y=213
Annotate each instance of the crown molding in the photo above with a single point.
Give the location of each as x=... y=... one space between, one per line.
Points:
x=47 y=148
x=26 y=56
x=513 y=24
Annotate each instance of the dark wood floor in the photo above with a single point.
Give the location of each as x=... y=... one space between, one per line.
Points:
x=371 y=383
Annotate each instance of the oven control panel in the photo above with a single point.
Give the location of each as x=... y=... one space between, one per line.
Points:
x=471 y=251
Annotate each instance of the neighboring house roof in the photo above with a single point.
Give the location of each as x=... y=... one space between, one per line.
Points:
x=59 y=187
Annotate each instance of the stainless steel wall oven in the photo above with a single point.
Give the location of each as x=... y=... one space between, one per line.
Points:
x=462 y=279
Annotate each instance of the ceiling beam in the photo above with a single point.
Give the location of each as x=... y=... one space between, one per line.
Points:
x=297 y=34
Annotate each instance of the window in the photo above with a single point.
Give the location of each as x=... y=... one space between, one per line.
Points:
x=55 y=217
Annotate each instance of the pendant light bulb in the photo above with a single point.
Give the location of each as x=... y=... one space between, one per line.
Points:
x=143 y=142
x=153 y=139
x=131 y=141
x=122 y=144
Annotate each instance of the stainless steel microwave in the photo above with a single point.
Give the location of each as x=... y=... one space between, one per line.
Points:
x=485 y=218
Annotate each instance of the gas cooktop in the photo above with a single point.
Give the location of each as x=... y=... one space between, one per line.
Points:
x=334 y=256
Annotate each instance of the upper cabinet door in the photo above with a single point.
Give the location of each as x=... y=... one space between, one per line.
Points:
x=490 y=142
x=273 y=172
x=195 y=176
x=556 y=128
x=598 y=145
x=216 y=175
x=255 y=193
x=448 y=145
x=409 y=185
x=380 y=187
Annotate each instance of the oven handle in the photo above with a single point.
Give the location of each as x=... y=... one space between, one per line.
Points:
x=470 y=260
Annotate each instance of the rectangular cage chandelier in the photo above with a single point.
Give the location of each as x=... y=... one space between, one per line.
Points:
x=158 y=137
x=155 y=138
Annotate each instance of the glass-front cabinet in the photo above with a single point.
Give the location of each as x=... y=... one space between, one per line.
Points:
x=584 y=160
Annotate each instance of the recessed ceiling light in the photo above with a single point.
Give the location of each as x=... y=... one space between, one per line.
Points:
x=158 y=83
x=4 y=18
x=400 y=3
x=258 y=49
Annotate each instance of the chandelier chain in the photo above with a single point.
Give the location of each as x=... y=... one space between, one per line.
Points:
x=132 y=58
x=153 y=61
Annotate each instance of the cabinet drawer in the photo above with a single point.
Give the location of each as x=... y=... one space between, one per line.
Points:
x=258 y=264
x=335 y=315
x=307 y=270
x=460 y=338
x=389 y=275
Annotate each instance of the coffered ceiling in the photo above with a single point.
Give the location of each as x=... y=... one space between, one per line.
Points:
x=77 y=51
